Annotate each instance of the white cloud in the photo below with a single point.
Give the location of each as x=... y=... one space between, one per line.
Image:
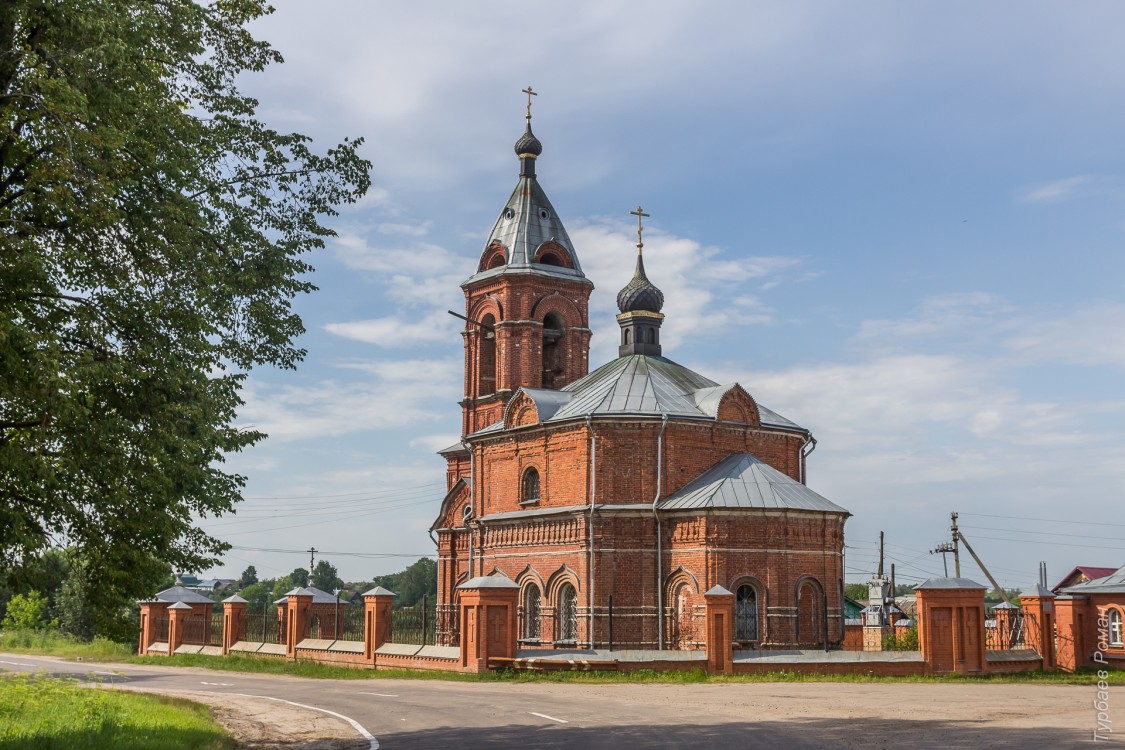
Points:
x=400 y=330
x=399 y=394
x=705 y=291
x=1057 y=191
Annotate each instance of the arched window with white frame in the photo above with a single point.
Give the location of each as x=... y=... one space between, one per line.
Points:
x=1116 y=634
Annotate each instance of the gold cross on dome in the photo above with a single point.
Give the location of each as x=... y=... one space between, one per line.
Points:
x=530 y=93
x=640 y=214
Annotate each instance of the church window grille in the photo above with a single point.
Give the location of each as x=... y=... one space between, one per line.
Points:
x=567 y=613
x=531 y=601
x=529 y=493
x=552 y=350
x=487 y=356
x=746 y=613
x=1116 y=636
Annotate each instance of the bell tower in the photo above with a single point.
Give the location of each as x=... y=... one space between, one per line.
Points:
x=527 y=304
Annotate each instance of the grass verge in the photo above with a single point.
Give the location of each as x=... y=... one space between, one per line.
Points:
x=241 y=663
x=41 y=713
x=49 y=643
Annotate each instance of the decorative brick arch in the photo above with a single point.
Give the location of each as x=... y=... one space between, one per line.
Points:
x=564 y=574
x=761 y=607
x=494 y=256
x=486 y=305
x=531 y=602
x=557 y=303
x=552 y=251
x=520 y=411
x=811 y=605
x=682 y=594
x=737 y=405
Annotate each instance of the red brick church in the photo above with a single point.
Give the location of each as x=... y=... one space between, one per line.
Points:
x=614 y=496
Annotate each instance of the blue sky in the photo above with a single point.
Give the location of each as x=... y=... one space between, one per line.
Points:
x=898 y=224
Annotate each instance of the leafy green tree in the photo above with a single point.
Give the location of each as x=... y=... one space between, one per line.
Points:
x=152 y=232
x=299 y=577
x=26 y=612
x=411 y=584
x=324 y=577
x=249 y=577
x=258 y=595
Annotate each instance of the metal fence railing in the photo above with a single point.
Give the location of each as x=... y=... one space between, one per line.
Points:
x=415 y=625
x=264 y=627
x=351 y=622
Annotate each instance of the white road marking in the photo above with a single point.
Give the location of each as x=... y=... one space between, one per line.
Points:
x=552 y=718
x=374 y=743
x=380 y=695
x=18 y=663
x=218 y=684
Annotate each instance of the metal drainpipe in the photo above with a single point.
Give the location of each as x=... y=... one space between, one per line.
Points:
x=593 y=498
x=469 y=507
x=659 y=544
x=804 y=456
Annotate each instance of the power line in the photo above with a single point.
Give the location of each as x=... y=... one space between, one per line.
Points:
x=1044 y=520
x=323 y=553
x=342 y=494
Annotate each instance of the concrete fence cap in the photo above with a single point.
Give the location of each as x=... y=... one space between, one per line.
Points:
x=299 y=591
x=717 y=590
x=489 y=582
x=236 y=599
x=1038 y=590
x=180 y=605
x=950 y=583
x=379 y=591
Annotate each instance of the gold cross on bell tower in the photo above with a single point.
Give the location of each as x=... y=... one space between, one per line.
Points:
x=530 y=93
x=640 y=214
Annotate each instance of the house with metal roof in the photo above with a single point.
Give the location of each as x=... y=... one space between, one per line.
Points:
x=615 y=498
x=1089 y=621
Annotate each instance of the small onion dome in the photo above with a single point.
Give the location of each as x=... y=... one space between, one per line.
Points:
x=639 y=293
x=528 y=144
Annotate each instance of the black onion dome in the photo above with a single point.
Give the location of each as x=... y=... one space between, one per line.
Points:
x=640 y=293
x=528 y=144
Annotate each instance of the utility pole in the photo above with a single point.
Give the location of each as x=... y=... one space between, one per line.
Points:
x=312 y=553
x=956 y=550
x=880 y=554
x=943 y=549
x=893 y=593
x=999 y=588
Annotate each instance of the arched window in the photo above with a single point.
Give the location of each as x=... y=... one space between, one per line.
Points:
x=566 y=613
x=487 y=337
x=746 y=613
x=550 y=259
x=531 y=601
x=628 y=336
x=552 y=350
x=1116 y=637
x=529 y=491
x=650 y=336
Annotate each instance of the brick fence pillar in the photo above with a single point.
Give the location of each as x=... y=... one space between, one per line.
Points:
x=377 y=612
x=488 y=621
x=951 y=625
x=234 y=621
x=178 y=614
x=298 y=607
x=151 y=611
x=719 y=630
x=1038 y=606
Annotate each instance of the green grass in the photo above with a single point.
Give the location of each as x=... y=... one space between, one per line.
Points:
x=241 y=663
x=52 y=643
x=41 y=713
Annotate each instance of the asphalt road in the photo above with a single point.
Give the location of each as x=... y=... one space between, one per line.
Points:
x=468 y=715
